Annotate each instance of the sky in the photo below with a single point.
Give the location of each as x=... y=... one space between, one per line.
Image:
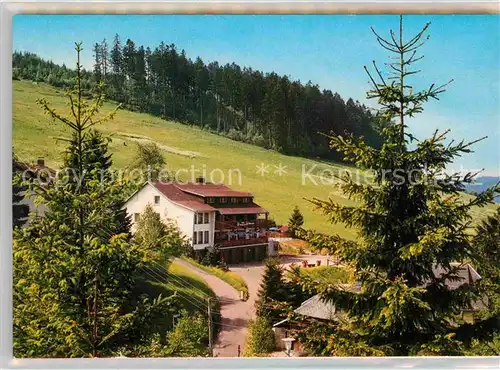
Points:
x=328 y=50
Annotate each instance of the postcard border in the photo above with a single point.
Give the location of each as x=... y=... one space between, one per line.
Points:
x=10 y=8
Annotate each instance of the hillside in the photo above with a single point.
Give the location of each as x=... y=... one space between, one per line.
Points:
x=185 y=147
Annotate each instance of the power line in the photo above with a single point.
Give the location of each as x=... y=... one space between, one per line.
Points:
x=199 y=304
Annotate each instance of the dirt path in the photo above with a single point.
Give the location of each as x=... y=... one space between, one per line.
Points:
x=234 y=312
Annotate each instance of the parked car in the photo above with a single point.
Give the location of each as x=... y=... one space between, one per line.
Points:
x=274 y=229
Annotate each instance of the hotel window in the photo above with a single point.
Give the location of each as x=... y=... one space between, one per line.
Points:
x=200 y=237
x=195 y=240
x=223 y=200
x=205 y=218
x=200 y=218
x=234 y=200
x=136 y=217
x=157 y=199
x=244 y=200
x=195 y=218
x=206 y=238
x=211 y=200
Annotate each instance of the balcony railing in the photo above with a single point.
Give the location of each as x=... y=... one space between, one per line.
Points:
x=243 y=241
x=231 y=225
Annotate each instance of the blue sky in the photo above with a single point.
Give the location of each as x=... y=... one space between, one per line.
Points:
x=329 y=50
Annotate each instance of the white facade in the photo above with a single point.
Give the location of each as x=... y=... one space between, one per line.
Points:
x=169 y=210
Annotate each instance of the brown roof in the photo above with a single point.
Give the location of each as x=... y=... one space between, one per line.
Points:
x=177 y=196
x=211 y=190
x=192 y=196
x=34 y=169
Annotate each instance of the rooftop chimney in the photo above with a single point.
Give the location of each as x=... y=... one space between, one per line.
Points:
x=200 y=180
x=40 y=162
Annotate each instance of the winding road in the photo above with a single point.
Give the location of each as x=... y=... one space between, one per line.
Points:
x=234 y=312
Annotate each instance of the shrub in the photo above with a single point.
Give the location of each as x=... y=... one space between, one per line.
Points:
x=189 y=338
x=260 y=338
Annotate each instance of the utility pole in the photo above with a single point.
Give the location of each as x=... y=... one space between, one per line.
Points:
x=210 y=339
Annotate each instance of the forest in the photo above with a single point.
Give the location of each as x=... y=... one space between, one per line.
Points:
x=264 y=109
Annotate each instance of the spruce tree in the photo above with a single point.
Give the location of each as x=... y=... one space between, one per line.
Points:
x=295 y=221
x=270 y=291
x=487 y=243
x=73 y=275
x=96 y=166
x=411 y=218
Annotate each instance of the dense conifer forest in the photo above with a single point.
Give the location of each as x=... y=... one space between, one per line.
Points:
x=244 y=104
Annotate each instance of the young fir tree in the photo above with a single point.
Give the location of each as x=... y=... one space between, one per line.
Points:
x=96 y=166
x=73 y=275
x=270 y=291
x=295 y=221
x=411 y=218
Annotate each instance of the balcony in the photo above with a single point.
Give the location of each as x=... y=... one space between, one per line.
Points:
x=240 y=242
x=233 y=225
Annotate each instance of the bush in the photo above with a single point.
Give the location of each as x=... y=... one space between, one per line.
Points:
x=234 y=135
x=260 y=338
x=189 y=338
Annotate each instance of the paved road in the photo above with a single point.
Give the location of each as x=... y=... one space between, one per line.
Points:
x=234 y=312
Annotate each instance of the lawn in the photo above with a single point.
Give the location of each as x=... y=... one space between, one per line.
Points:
x=192 y=292
x=286 y=181
x=325 y=275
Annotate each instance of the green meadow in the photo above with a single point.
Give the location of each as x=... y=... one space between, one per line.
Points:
x=278 y=182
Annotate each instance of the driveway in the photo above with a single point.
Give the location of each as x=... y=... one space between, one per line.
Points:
x=234 y=312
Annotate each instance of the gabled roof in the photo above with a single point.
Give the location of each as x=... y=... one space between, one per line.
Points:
x=318 y=308
x=177 y=196
x=465 y=274
x=189 y=196
x=211 y=190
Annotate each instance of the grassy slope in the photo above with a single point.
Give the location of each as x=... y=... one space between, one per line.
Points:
x=192 y=292
x=34 y=136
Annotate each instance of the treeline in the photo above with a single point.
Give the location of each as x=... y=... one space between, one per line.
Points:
x=264 y=109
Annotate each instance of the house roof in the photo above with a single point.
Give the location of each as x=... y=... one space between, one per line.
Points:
x=177 y=196
x=35 y=169
x=192 y=196
x=318 y=308
x=465 y=274
x=211 y=190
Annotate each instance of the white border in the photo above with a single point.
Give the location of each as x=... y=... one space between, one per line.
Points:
x=9 y=8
